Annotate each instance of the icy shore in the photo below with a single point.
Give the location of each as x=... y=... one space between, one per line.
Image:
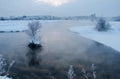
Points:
x=110 y=38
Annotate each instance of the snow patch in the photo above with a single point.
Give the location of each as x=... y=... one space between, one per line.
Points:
x=18 y=26
x=110 y=38
x=4 y=77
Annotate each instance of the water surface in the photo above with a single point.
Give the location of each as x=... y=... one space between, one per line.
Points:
x=61 y=48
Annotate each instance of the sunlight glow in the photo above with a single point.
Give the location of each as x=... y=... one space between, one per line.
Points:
x=55 y=3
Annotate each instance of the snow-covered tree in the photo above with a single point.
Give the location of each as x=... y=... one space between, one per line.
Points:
x=34 y=27
x=102 y=25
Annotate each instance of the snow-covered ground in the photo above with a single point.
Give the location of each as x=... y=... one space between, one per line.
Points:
x=13 y=26
x=8 y=26
x=110 y=38
x=4 y=77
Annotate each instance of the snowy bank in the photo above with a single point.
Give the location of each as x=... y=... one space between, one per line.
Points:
x=12 y=26
x=19 y=25
x=110 y=38
x=4 y=77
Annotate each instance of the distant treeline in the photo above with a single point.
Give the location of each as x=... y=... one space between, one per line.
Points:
x=116 y=18
x=46 y=18
x=91 y=17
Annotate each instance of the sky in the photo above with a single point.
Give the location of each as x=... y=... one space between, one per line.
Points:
x=59 y=7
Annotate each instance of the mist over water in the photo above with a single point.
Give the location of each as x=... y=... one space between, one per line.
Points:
x=61 y=48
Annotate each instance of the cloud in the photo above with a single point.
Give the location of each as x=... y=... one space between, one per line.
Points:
x=54 y=2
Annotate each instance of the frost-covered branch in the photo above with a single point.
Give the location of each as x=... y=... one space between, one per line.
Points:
x=2 y=65
x=93 y=70
x=33 y=28
x=84 y=72
x=10 y=66
x=71 y=73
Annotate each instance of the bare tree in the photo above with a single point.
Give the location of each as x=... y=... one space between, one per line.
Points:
x=32 y=32
x=102 y=25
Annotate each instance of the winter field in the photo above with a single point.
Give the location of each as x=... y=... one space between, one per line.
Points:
x=65 y=43
x=16 y=26
x=110 y=38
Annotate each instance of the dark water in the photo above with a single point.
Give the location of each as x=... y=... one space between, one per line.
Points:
x=61 y=48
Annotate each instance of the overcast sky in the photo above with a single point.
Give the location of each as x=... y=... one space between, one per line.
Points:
x=59 y=7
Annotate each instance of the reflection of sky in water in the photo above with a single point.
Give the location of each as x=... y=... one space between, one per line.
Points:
x=57 y=44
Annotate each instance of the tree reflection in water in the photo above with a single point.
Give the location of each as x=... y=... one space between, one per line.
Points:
x=32 y=56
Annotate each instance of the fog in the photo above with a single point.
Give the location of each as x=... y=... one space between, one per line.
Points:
x=59 y=7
